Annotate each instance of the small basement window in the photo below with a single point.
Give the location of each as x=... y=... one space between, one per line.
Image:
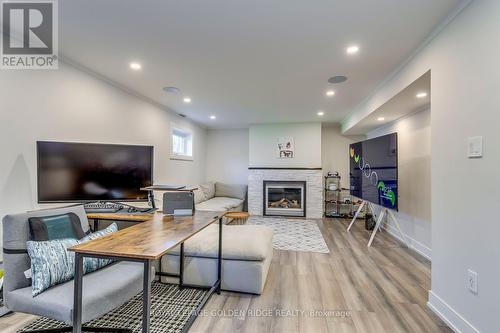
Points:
x=182 y=144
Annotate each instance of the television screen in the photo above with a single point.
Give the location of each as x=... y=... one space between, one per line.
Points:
x=80 y=172
x=374 y=170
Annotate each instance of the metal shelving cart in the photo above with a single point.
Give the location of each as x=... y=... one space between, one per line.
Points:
x=335 y=203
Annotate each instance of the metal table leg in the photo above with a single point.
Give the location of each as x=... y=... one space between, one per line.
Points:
x=219 y=259
x=216 y=287
x=146 y=297
x=181 y=267
x=77 y=297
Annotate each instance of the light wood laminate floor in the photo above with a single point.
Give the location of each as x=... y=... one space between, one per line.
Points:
x=351 y=289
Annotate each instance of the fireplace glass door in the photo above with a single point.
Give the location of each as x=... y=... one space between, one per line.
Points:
x=284 y=198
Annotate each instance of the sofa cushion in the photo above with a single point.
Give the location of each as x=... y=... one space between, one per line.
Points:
x=219 y=204
x=230 y=190
x=199 y=195
x=239 y=242
x=237 y=275
x=208 y=189
x=103 y=290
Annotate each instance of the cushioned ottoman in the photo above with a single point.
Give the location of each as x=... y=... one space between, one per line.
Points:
x=247 y=251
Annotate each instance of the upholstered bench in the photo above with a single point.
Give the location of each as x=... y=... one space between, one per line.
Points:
x=247 y=251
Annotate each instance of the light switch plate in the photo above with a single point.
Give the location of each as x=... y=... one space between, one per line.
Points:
x=472 y=281
x=475 y=147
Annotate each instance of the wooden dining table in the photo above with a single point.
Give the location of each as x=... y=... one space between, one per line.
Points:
x=146 y=242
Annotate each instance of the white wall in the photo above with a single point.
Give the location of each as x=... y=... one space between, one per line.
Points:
x=414 y=177
x=263 y=142
x=335 y=151
x=70 y=105
x=227 y=156
x=463 y=59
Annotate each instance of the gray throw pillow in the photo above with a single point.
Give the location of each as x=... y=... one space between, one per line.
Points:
x=208 y=189
x=52 y=263
x=199 y=196
x=230 y=190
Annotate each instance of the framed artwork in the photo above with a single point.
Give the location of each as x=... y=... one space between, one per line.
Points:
x=285 y=147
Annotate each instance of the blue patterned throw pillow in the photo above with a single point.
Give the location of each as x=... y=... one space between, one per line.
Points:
x=101 y=233
x=52 y=263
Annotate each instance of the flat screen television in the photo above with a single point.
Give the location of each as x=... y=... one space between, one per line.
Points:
x=374 y=170
x=83 y=172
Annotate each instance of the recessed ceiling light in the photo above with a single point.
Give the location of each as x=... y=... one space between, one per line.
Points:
x=330 y=93
x=320 y=113
x=380 y=118
x=135 y=66
x=421 y=95
x=187 y=99
x=213 y=117
x=353 y=49
x=337 y=79
x=173 y=90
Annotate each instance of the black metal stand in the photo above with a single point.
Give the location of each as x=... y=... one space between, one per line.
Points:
x=151 y=199
x=96 y=225
x=146 y=299
x=78 y=281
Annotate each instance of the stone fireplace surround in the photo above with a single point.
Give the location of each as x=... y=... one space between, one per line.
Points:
x=314 y=187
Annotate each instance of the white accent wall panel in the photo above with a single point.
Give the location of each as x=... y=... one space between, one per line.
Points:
x=307 y=139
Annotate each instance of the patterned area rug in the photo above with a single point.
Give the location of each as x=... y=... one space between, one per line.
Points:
x=170 y=310
x=293 y=234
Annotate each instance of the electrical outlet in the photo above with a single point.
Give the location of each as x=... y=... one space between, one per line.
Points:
x=472 y=281
x=475 y=147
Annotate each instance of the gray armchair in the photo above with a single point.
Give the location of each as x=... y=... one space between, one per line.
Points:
x=103 y=290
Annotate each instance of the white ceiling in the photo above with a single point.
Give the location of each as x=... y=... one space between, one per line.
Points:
x=247 y=62
x=401 y=105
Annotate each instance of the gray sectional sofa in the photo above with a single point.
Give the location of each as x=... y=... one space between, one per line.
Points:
x=220 y=197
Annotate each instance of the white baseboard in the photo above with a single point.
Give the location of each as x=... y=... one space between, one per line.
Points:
x=453 y=319
x=415 y=245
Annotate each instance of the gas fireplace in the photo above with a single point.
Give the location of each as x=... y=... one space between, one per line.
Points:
x=284 y=198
